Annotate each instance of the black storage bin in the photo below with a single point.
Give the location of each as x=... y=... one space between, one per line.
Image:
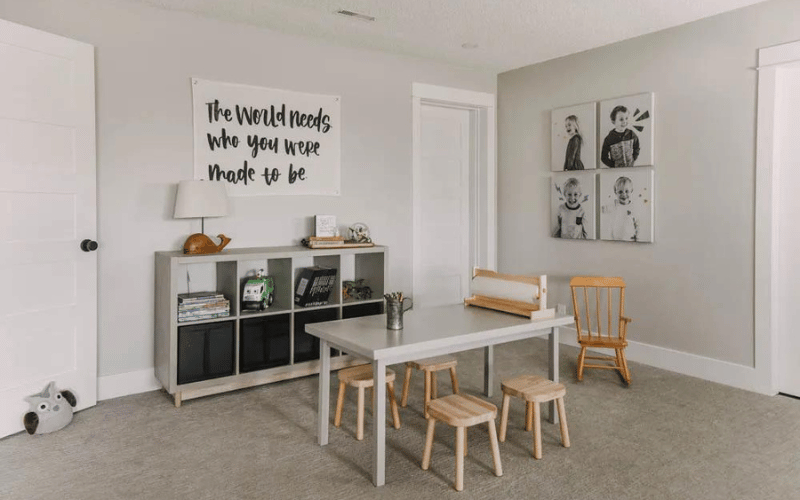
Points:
x=306 y=347
x=205 y=351
x=358 y=310
x=264 y=343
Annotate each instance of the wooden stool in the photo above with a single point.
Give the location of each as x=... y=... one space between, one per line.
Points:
x=361 y=378
x=461 y=411
x=429 y=367
x=534 y=390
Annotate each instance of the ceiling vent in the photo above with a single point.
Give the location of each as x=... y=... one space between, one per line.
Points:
x=355 y=15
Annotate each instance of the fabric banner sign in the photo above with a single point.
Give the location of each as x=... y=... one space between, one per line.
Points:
x=266 y=141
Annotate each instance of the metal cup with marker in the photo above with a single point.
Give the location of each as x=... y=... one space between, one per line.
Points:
x=395 y=309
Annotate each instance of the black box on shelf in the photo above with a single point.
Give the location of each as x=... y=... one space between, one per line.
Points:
x=314 y=285
x=264 y=342
x=205 y=351
x=306 y=346
x=359 y=310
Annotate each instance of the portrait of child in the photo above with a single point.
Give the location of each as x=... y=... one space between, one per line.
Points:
x=572 y=144
x=626 y=131
x=626 y=210
x=573 y=206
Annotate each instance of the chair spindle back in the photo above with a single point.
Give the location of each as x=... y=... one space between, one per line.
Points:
x=590 y=302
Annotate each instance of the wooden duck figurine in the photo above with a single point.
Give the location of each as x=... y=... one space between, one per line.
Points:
x=198 y=244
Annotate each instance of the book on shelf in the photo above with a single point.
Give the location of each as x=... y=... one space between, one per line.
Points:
x=325 y=238
x=335 y=243
x=212 y=312
x=199 y=297
x=314 y=285
x=204 y=305
x=198 y=306
x=200 y=317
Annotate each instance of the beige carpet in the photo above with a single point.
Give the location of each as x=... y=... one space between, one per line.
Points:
x=666 y=437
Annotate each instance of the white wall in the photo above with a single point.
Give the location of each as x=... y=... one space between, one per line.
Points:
x=692 y=290
x=144 y=60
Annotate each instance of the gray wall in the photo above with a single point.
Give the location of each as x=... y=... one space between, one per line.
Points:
x=691 y=290
x=144 y=60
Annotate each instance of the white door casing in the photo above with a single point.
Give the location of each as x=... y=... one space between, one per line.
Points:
x=48 y=307
x=787 y=228
x=454 y=179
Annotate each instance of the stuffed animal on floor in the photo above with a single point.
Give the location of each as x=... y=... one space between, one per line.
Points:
x=50 y=410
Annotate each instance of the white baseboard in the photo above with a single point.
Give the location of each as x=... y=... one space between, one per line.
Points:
x=714 y=370
x=124 y=384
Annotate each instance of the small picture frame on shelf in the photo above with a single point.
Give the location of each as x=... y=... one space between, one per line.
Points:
x=325 y=226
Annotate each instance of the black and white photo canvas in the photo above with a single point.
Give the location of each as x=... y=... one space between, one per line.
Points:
x=626 y=131
x=572 y=206
x=626 y=205
x=572 y=137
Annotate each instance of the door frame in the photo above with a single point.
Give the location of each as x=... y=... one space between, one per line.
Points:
x=770 y=61
x=483 y=169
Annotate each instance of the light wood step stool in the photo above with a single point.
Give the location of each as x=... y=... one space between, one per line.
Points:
x=461 y=411
x=360 y=377
x=429 y=367
x=534 y=390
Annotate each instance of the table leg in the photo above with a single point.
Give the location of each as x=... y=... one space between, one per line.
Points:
x=488 y=370
x=552 y=341
x=324 y=392
x=379 y=423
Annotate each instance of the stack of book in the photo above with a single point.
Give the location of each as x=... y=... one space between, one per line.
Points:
x=333 y=242
x=314 y=285
x=202 y=305
x=323 y=241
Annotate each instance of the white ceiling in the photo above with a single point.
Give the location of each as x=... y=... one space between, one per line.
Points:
x=509 y=33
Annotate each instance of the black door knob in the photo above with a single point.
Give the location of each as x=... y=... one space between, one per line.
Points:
x=88 y=245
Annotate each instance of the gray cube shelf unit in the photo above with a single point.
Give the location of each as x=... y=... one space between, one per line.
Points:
x=248 y=348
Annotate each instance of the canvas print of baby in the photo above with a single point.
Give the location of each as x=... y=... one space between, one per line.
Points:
x=572 y=206
x=572 y=144
x=626 y=211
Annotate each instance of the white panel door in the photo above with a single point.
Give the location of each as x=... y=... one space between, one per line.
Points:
x=442 y=201
x=48 y=285
x=787 y=272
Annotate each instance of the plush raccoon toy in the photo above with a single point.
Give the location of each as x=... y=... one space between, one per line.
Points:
x=50 y=410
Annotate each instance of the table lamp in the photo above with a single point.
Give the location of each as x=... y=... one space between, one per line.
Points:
x=201 y=199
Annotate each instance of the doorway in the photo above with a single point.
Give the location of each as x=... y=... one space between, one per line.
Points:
x=454 y=179
x=777 y=272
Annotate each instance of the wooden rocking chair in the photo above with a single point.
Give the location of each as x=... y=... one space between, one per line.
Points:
x=583 y=287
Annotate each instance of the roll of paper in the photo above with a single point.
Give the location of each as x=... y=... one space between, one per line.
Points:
x=503 y=289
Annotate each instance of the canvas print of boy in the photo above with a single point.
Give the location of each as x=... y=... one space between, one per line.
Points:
x=572 y=206
x=572 y=137
x=626 y=131
x=626 y=205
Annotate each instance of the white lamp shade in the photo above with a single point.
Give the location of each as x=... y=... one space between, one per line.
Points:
x=201 y=199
